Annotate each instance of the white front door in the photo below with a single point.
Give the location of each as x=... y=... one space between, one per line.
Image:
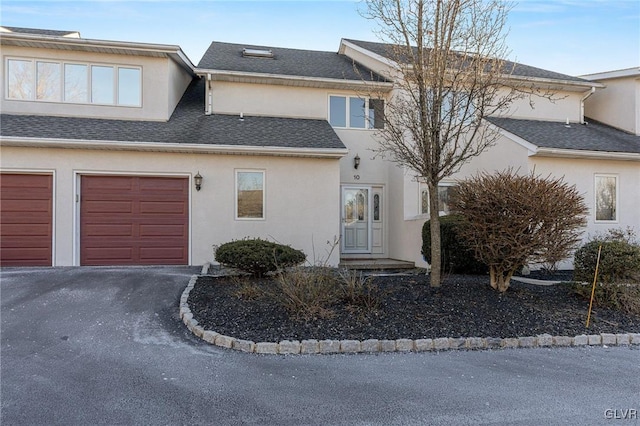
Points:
x=356 y=220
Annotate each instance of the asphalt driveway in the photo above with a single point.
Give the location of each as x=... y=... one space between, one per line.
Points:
x=86 y=346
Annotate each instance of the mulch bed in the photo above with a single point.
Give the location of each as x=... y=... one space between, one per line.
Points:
x=465 y=306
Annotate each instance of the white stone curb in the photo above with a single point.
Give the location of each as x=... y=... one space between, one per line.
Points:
x=312 y=346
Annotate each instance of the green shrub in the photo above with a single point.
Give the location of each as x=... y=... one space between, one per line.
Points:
x=456 y=257
x=257 y=256
x=619 y=262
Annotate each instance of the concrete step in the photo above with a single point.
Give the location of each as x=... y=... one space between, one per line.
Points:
x=375 y=264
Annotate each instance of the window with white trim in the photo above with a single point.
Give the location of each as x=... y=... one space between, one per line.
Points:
x=353 y=112
x=250 y=194
x=54 y=81
x=606 y=198
x=444 y=195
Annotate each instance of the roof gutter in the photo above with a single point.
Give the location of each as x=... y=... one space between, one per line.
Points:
x=595 y=155
x=334 y=153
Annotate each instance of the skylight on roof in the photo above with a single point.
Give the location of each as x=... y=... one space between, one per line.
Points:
x=257 y=53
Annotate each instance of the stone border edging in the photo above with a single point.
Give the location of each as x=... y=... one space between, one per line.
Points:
x=313 y=346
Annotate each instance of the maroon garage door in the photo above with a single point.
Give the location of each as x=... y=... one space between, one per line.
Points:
x=134 y=220
x=25 y=219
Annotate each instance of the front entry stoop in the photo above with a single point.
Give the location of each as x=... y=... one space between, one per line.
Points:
x=375 y=264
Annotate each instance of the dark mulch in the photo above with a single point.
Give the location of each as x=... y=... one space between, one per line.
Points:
x=465 y=306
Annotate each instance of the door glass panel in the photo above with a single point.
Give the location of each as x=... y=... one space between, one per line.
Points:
x=376 y=207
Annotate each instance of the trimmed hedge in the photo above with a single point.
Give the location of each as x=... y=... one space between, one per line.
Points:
x=257 y=256
x=457 y=258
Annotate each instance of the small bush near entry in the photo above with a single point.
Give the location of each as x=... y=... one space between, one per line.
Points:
x=457 y=258
x=307 y=293
x=257 y=256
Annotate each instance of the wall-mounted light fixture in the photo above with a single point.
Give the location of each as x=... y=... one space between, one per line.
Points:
x=197 y=179
x=356 y=162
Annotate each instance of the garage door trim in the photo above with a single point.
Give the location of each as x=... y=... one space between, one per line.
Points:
x=43 y=172
x=77 y=197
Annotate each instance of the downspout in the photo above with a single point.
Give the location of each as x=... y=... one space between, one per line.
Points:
x=209 y=108
x=584 y=98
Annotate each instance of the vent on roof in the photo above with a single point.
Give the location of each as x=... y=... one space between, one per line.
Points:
x=257 y=53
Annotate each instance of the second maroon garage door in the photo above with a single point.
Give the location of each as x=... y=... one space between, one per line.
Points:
x=134 y=220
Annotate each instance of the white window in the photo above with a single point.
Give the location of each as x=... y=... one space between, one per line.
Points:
x=606 y=198
x=444 y=194
x=356 y=113
x=48 y=81
x=250 y=194
x=51 y=81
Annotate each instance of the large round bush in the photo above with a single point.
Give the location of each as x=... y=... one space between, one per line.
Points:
x=257 y=256
x=619 y=261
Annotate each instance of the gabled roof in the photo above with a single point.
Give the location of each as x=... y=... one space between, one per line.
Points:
x=288 y=62
x=37 y=31
x=593 y=137
x=188 y=126
x=519 y=70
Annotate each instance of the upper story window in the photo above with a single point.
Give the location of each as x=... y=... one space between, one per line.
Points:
x=51 y=81
x=356 y=113
x=606 y=194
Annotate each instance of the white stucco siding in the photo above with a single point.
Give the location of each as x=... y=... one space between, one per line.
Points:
x=565 y=105
x=155 y=86
x=301 y=208
x=617 y=105
x=373 y=168
x=177 y=82
x=582 y=174
x=271 y=100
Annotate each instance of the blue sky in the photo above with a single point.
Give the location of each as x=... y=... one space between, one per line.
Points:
x=568 y=36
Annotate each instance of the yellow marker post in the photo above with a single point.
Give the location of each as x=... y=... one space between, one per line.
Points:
x=593 y=289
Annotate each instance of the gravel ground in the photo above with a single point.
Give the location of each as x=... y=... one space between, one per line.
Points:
x=465 y=306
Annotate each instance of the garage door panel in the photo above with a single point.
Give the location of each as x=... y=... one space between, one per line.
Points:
x=101 y=230
x=160 y=207
x=163 y=230
x=152 y=228
x=107 y=207
x=26 y=219
x=161 y=254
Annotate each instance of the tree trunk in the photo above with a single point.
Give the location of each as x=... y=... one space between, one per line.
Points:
x=500 y=280
x=436 y=251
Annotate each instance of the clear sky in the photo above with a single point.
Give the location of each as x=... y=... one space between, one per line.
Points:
x=569 y=36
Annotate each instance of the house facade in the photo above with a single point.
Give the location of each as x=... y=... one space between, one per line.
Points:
x=101 y=144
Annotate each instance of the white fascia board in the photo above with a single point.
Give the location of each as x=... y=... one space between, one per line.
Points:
x=596 y=155
x=173 y=147
x=282 y=79
x=377 y=57
x=556 y=83
x=628 y=72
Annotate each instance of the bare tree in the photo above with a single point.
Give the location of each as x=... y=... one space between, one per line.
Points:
x=511 y=220
x=449 y=72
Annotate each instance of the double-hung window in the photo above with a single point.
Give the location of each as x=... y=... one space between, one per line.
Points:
x=606 y=198
x=356 y=113
x=250 y=194
x=55 y=81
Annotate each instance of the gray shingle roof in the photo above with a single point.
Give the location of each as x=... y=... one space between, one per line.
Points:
x=589 y=137
x=37 y=31
x=292 y=62
x=518 y=69
x=188 y=124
